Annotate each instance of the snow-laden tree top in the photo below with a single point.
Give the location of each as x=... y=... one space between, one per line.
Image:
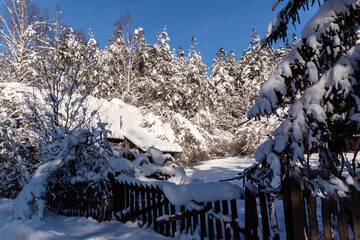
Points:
x=311 y=56
x=320 y=80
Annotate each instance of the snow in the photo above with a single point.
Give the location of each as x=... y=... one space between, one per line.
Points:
x=123 y=120
x=56 y=227
x=204 y=192
x=31 y=201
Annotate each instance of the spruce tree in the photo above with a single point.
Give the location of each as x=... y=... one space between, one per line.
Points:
x=320 y=79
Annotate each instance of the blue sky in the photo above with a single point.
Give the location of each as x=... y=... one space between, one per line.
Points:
x=214 y=23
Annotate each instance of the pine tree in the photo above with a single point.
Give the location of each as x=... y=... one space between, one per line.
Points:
x=256 y=64
x=224 y=76
x=320 y=79
x=197 y=96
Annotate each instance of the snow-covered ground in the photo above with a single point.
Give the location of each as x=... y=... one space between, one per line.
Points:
x=56 y=227
x=61 y=227
x=217 y=169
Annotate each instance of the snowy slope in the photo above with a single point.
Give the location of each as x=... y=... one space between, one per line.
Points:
x=161 y=137
x=125 y=121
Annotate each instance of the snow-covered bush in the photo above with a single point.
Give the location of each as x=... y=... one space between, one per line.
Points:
x=17 y=147
x=13 y=173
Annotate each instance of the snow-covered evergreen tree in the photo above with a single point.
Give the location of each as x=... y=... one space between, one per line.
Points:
x=320 y=79
x=197 y=84
x=224 y=77
x=256 y=66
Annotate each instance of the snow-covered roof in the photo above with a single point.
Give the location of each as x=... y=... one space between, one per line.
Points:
x=125 y=122
x=158 y=135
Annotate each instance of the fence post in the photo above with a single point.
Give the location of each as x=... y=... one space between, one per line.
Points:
x=217 y=221
x=295 y=215
x=264 y=213
x=326 y=218
x=210 y=222
x=154 y=208
x=148 y=205
x=273 y=217
x=159 y=197
x=173 y=224
x=202 y=224
x=226 y=212
x=137 y=202
x=355 y=205
x=251 y=220
x=167 y=212
x=234 y=216
x=312 y=216
x=143 y=204
x=182 y=221
x=341 y=217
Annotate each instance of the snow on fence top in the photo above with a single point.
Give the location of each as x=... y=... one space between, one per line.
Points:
x=124 y=122
x=185 y=194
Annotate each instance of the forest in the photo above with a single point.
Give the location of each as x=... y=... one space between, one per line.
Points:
x=278 y=102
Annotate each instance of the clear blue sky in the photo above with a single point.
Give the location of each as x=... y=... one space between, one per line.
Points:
x=214 y=23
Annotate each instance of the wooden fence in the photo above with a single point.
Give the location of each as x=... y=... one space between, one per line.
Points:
x=306 y=217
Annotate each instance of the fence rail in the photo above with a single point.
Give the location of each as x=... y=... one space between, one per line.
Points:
x=306 y=217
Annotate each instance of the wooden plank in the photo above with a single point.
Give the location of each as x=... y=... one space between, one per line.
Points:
x=254 y=217
x=148 y=204
x=132 y=202
x=188 y=221
x=210 y=223
x=127 y=196
x=182 y=222
x=154 y=200
x=137 y=201
x=167 y=212
x=195 y=222
x=297 y=210
x=225 y=210
x=234 y=216
x=143 y=205
x=264 y=213
x=342 y=223
x=202 y=225
x=355 y=205
x=312 y=216
x=173 y=224
x=217 y=222
x=251 y=219
x=273 y=217
x=160 y=207
x=294 y=208
x=326 y=218
x=86 y=202
x=122 y=200
x=287 y=208
x=248 y=215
